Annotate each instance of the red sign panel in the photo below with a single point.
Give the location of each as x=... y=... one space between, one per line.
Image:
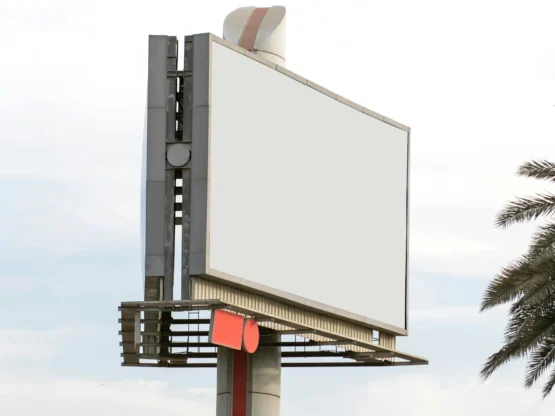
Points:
x=233 y=331
x=251 y=336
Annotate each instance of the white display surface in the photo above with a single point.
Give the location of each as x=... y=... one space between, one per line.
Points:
x=306 y=194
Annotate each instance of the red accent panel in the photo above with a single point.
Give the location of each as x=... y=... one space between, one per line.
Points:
x=250 y=31
x=251 y=336
x=226 y=329
x=239 y=391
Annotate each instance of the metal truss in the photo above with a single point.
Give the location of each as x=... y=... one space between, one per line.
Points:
x=151 y=338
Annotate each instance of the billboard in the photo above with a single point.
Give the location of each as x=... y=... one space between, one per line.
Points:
x=296 y=193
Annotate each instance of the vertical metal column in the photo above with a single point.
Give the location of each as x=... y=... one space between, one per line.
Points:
x=160 y=182
x=169 y=196
x=169 y=200
x=187 y=92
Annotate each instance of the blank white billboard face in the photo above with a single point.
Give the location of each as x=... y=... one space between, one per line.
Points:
x=307 y=195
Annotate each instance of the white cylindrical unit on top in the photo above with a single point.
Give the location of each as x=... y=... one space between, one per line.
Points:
x=258 y=29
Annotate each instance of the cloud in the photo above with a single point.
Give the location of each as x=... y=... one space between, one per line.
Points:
x=67 y=217
x=65 y=396
x=448 y=247
x=408 y=395
x=394 y=394
x=32 y=345
x=418 y=395
x=445 y=313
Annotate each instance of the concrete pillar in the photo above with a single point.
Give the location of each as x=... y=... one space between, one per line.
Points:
x=224 y=382
x=263 y=379
x=264 y=382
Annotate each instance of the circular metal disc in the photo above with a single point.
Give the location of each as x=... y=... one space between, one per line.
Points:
x=178 y=154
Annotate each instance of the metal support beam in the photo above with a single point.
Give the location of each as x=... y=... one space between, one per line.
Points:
x=187 y=127
x=160 y=181
x=137 y=332
x=169 y=194
x=165 y=345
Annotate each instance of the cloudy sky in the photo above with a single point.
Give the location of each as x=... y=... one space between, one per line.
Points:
x=475 y=80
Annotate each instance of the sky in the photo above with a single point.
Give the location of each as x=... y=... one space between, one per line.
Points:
x=475 y=81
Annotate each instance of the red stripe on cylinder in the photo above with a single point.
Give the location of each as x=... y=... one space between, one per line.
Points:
x=250 y=31
x=239 y=390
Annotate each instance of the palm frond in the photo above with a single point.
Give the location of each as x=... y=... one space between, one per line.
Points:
x=528 y=327
x=549 y=385
x=540 y=360
x=495 y=361
x=529 y=284
x=520 y=316
x=509 y=284
x=525 y=209
x=538 y=169
x=541 y=290
x=542 y=246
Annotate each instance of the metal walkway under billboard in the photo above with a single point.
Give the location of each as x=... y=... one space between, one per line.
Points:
x=183 y=341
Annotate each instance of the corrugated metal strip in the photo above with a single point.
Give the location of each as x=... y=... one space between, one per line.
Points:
x=388 y=341
x=203 y=289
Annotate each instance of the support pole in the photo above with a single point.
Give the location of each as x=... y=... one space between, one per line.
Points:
x=224 y=382
x=264 y=381
x=253 y=380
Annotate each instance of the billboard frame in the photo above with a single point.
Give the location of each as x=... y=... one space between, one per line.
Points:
x=198 y=250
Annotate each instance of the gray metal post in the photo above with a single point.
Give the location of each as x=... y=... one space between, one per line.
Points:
x=187 y=111
x=160 y=182
x=159 y=233
x=169 y=194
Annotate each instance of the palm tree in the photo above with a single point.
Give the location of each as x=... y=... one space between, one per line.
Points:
x=528 y=284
